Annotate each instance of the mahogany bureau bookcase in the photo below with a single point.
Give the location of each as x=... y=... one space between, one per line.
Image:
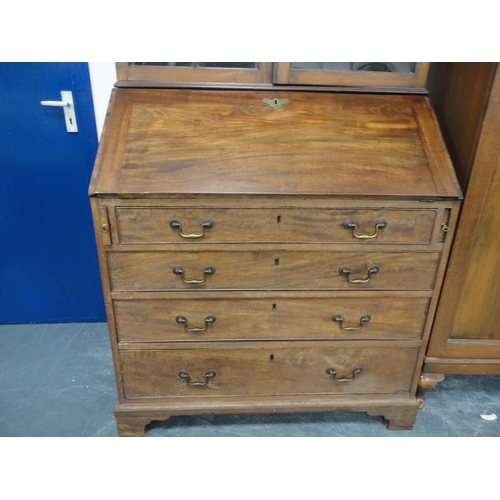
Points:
x=267 y=250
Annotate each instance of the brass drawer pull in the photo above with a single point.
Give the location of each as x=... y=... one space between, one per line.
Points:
x=345 y=271
x=338 y=319
x=206 y=224
x=208 y=271
x=333 y=373
x=209 y=320
x=350 y=224
x=184 y=375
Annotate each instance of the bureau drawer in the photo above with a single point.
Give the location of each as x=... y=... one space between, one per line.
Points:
x=323 y=368
x=273 y=317
x=272 y=270
x=276 y=225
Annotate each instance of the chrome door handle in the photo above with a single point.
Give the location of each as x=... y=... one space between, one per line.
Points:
x=69 y=109
x=60 y=104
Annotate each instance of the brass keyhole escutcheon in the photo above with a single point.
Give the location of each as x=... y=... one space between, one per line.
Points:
x=276 y=103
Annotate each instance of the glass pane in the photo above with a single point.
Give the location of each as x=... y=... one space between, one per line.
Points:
x=332 y=66
x=391 y=67
x=233 y=65
x=236 y=65
x=388 y=67
x=162 y=64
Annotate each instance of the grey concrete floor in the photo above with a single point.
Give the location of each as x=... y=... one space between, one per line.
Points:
x=58 y=380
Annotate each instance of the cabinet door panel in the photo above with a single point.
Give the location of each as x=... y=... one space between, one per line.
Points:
x=363 y=74
x=480 y=316
x=217 y=72
x=466 y=333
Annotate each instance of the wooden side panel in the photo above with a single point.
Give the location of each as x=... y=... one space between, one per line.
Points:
x=460 y=93
x=105 y=226
x=101 y=249
x=434 y=147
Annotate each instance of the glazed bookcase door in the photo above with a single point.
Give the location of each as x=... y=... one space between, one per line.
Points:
x=198 y=72
x=363 y=74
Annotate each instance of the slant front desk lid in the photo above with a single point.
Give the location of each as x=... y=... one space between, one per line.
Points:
x=190 y=142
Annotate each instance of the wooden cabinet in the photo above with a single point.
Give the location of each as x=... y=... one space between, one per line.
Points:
x=270 y=251
x=466 y=334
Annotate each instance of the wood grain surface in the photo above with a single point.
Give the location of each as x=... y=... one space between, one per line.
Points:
x=202 y=141
x=467 y=324
x=278 y=184
x=268 y=369
x=272 y=270
x=270 y=317
x=283 y=225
